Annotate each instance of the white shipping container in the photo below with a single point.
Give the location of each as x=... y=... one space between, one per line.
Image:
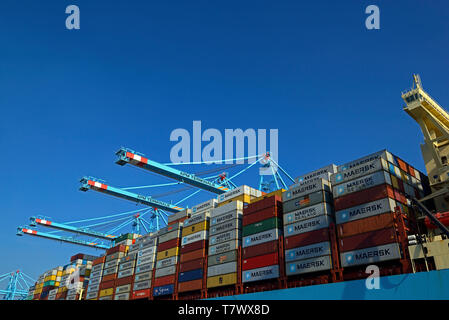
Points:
x=368 y=181
x=226 y=226
x=228 y=207
x=322 y=173
x=234 y=234
x=307 y=225
x=360 y=171
x=309 y=251
x=233 y=215
x=384 y=154
x=165 y=271
x=224 y=268
x=197 y=236
x=370 y=255
x=224 y=247
x=196 y=218
x=234 y=193
x=365 y=210
x=316 y=210
x=261 y=237
x=205 y=206
x=305 y=188
x=308 y=265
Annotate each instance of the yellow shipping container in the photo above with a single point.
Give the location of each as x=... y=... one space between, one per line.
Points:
x=168 y=253
x=394 y=181
x=274 y=193
x=222 y=280
x=201 y=226
x=246 y=198
x=106 y=292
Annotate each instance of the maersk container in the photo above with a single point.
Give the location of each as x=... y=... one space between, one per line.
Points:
x=197 y=218
x=230 y=216
x=146 y=259
x=383 y=154
x=261 y=237
x=306 y=201
x=126 y=265
x=224 y=247
x=169 y=236
x=322 y=173
x=368 y=239
x=258 y=274
x=170 y=228
x=233 y=235
x=359 y=184
x=144 y=268
x=190 y=275
x=98 y=267
x=93 y=287
x=96 y=274
x=231 y=206
x=200 y=226
x=143 y=276
x=261 y=226
x=221 y=258
x=163 y=290
x=125 y=273
x=305 y=188
x=95 y=281
x=365 y=210
x=309 y=251
x=109 y=271
x=165 y=271
x=308 y=265
x=226 y=226
x=167 y=262
x=198 y=236
x=122 y=296
x=234 y=193
x=205 y=206
x=123 y=289
x=111 y=264
x=92 y=295
x=370 y=255
x=307 y=225
x=142 y=285
x=359 y=171
x=361 y=197
x=179 y=215
x=308 y=213
x=224 y=268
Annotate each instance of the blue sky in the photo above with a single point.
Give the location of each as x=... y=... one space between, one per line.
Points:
x=136 y=70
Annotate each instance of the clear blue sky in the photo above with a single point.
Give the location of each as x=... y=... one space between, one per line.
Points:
x=136 y=70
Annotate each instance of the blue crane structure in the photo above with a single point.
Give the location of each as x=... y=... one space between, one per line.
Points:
x=18 y=285
x=155 y=214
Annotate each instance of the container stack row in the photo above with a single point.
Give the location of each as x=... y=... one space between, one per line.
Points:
x=110 y=271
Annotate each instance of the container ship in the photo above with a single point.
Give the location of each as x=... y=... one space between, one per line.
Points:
x=372 y=228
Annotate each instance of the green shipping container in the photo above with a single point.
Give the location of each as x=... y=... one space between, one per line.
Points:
x=126 y=236
x=272 y=223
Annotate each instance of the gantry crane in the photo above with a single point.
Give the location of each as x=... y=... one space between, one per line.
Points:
x=17 y=287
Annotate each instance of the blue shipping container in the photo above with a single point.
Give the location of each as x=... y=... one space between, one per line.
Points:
x=163 y=290
x=190 y=275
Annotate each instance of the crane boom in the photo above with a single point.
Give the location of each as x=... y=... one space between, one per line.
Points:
x=126 y=155
x=94 y=184
x=64 y=227
x=21 y=231
x=434 y=123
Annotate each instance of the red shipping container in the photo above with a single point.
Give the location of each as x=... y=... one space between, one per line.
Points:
x=381 y=221
x=270 y=202
x=163 y=281
x=168 y=245
x=260 y=249
x=98 y=261
x=368 y=239
x=109 y=277
x=411 y=171
x=191 y=265
x=76 y=256
x=257 y=216
x=123 y=281
x=190 y=285
x=400 y=197
x=401 y=185
x=141 y=294
x=364 y=196
x=193 y=246
x=119 y=248
x=107 y=284
x=176 y=221
x=193 y=255
x=260 y=261
x=402 y=164
x=307 y=238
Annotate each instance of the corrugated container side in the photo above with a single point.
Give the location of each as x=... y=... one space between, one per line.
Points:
x=382 y=221
x=194 y=246
x=370 y=255
x=260 y=261
x=261 y=249
x=222 y=258
x=368 y=239
x=307 y=238
x=222 y=280
x=193 y=255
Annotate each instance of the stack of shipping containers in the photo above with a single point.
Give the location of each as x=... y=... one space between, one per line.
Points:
x=167 y=260
x=308 y=215
x=262 y=230
x=123 y=283
x=96 y=274
x=366 y=193
x=195 y=233
x=145 y=249
x=110 y=272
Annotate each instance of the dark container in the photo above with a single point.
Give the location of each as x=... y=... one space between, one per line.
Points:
x=307 y=238
x=368 y=240
x=119 y=248
x=168 y=245
x=191 y=265
x=193 y=255
x=260 y=261
x=270 y=202
x=260 y=249
x=107 y=284
x=190 y=275
x=193 y=246
x=162 y=281
x=363 y=196
x=381 y=221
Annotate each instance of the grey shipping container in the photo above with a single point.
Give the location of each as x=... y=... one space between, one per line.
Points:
x=144 y=268
x=231 y=206
x=377 y=155
x=109 y=271
x=205 y=206
x=319 y=173
x=365 y=210
x=128 y=257
x=224 y=247
x=259 y=274
x=170 y=228
x=97 y=267
x=125 y=273
x=105 y=298
x=309 y=251
x=222 y=258
x=227 y=226
x=165 y=271
x=179 y=215
x=359 y=171
x=122 y=296
x=92 y=288
x=127 y=265
x=235 y=235
x=261 y=237
x=224 y=268
x=197 y=218
x=142 y=285
x=166 y=262
x=370 y=255
x=143 y=276
x=111 y=264
x=305 y=188
x=96 y=274
x=306 y=201
x=146 y=259
x=233 y=215
x=147 y=251
x=365 y=182
x=114 y=256
x=123 y=289
x=170 y=236
x=307 y=225
x=308 y=265
x=194 y=237
x=316 y=210
x=94 y=281
x=71 y=297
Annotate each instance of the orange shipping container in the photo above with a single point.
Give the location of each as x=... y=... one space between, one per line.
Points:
x=163 y=281
x=190 y=285
x=378 y=222
x=193 y=255
x=109 y=277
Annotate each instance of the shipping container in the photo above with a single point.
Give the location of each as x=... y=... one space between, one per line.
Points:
x=123 y=281
x=224 y=268
x=146 y=259
x=305 y=188
x=200 y=226
x=365 y=210
x=368 y=239
x=142 y=285
x=125 y=273
x=258 y=216
x=143 y=276
x=307 y=238
x=167 y=253
x=194 y=219
x=229 y=216
x=191 y=265
x=359 y=171
x=179 y=215
x=144 y=268
x=308 y=251
x=193 y=255
x=169 y=236
x=306 y=201
x=232 y=206
x=221 y=258
x=205 y=206
x=260 y=249
x=222 y=280
x=381 y=221
x=194 y=246
x=258 y=274
x=226 y=226
x=224 y=247
x=168 y=244
x=261 y=237
x=116 y=249
x=260 y=261
x=123 y=289
x=195 y=237
x=242 y=190
x=365 y=196
x=167 y=262
x=106 y=292
x=165 y=271
x=190 y=275
x=192 y=285
x=308 y=265
x=265 y=202
x=363 y=183
x=232 y=235
x=272 y=223
x=164 y=280
x=370 y=255
x=170 y=228
x=307 y=225
x=320 y=173
x=164 y=290
x=127 y=265
x=122 y=296
x=141 y=294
